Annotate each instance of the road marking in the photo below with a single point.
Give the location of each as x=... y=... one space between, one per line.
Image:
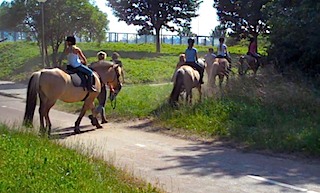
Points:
x=140 y=145
x=4 y=106
x=280 y=184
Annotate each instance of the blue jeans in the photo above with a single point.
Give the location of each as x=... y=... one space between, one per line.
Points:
x=86 y=70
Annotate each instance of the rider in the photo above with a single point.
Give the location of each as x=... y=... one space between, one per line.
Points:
x=253 y=49
x=78 y=61
x=115 y=58
x=102 y=97
x=191 y=54
x=210 y=53
x=223 y=51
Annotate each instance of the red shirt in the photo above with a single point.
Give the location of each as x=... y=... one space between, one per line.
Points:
x=253 y=48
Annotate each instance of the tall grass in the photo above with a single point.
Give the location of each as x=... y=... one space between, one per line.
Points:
x=32 y=164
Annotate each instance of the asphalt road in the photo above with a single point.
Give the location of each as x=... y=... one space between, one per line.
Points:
x=173 y=164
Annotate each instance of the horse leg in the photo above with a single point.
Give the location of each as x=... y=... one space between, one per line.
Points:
x=94 y=115
x=220 y=81
x=48 y=122
x=41 y=116
x=190 y=96
x=200 y=93
x=77 y=123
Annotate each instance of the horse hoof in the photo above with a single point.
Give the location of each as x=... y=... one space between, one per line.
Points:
x=99 y=127
x=104 y=121
x=77 y=130
x=93 y=120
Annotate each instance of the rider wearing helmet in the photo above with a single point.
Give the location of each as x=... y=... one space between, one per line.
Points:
x=253 y=49
x=191 y=54
x=77 y=60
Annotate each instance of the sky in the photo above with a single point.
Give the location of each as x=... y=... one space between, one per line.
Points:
x=201 y=25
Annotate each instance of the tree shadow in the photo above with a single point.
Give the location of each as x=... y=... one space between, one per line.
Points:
x=201 y=159
x=127 y=54
x=10 y=86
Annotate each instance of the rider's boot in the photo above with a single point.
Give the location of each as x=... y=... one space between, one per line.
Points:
x=91 y=86
x=201 y=77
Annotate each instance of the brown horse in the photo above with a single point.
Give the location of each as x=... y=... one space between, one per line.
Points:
x=184 y=79
x=53 y=84
x=218 y=68
x=248 y=62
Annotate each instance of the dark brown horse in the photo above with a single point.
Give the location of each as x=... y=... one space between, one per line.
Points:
x=248 y=62
x=53 y=84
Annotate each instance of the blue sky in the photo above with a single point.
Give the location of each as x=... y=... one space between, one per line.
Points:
x=201 y=25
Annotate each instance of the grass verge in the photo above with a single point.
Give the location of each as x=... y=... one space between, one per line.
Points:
x=32 y=164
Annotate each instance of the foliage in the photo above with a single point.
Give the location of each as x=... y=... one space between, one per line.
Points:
x=244 y=17
x=294 y=35
x=153 y=15
x=33 y=164
x=62 y=18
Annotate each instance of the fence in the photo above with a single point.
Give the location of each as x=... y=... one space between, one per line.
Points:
x=166 y=39
x=127 y=38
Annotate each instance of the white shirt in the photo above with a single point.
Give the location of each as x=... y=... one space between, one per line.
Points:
x=74 y=60
x=222 y=50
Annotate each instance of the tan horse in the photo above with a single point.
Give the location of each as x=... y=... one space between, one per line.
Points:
x=53 y=84
x=218 y=68
x=185 y=78
x=209 y=59
x=248 y=62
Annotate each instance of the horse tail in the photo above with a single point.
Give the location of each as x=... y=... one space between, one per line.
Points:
x=32 y=92
x=178 y=83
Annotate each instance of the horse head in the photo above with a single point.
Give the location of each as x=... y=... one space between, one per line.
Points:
x=110 y=75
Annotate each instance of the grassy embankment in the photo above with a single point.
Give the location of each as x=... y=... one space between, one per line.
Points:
x=32 y=164
x=266 y=112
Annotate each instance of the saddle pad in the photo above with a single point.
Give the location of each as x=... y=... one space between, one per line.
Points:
x=78 y=80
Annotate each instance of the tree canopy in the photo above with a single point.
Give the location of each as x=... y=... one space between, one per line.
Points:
x=294 y=35
x=152 y=15
x=244 y=17
x=62 y=18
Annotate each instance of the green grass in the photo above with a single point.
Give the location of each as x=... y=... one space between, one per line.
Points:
x=267 y=112
x=32 y=164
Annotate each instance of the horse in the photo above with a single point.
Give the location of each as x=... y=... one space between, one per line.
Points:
x=248 y=62
x=185 y=79
x=209 y=59
x=53 y=84
x=218 y=68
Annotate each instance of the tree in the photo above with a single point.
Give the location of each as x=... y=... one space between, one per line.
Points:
x=294 y=35
x=152 y=15
x=185 y=29
x=243 y=17
x=62 y=18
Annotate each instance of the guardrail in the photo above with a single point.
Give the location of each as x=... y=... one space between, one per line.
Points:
x=126 y=37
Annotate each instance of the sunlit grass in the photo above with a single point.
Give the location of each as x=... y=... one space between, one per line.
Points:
x=32 y=164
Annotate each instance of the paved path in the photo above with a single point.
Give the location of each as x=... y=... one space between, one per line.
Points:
x=175 y=165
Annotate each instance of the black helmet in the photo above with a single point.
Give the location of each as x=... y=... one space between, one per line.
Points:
x=71 y=39
x=190 y=40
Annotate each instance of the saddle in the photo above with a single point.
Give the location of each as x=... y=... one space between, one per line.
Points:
x=79 y=79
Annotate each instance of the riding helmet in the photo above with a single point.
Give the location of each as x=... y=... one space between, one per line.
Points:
x=71 y=39
x=190 y=40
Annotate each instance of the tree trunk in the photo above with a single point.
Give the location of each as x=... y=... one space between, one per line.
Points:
x=158 y=39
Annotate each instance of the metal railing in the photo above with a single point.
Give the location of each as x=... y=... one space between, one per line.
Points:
x=127 y=38
x=166 y=39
